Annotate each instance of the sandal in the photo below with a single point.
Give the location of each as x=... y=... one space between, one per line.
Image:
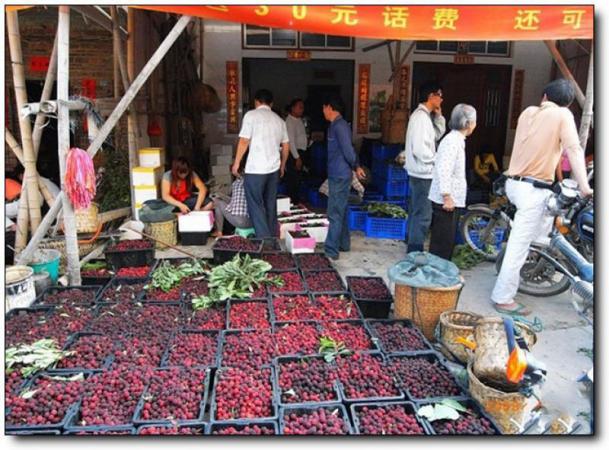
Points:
x=520 y=310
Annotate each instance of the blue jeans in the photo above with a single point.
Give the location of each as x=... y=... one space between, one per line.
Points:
x=261 y=196
x=419 y=213
x=338 y=238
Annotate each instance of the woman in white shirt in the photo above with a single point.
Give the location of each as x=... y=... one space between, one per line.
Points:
x=449 y=185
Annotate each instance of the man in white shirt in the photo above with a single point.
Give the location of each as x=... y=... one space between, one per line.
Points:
x=264 y=133
x=298 y=145
x=426 y=127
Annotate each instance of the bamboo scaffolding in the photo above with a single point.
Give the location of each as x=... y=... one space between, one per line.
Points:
x=47 y=90
x=588 y=109
x=25 y=127
x=564 y=69
x=63 y=142
x=108 y=126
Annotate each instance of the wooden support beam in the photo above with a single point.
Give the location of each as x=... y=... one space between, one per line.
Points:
x=139 y=81
x=25 y=126
x=47 y=90
x=588 y=109
x=100 y=18
x=391 y=62
x=63 y=142
x=403 y=59
x=564 y=69
x=375 y=46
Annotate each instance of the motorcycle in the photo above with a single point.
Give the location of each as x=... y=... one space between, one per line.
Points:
x=559 y=257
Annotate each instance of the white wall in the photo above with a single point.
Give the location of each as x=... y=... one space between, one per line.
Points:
x=222 y=42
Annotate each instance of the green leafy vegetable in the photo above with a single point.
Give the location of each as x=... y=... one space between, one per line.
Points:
x=465 y=257
x=167 y=276
x=331 y=348
x=386 y=210
x=35 y=357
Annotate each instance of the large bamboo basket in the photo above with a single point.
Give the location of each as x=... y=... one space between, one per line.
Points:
x=454 y=325
x=511 y=410
x=60 y=244
x=87 y=220
x=423 y=306
x=164 y=231
x=492 y=350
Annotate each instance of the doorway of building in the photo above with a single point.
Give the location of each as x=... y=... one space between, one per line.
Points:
x=484 y=86
x=310 y=80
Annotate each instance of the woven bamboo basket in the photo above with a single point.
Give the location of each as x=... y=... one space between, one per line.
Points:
x=492 y=350
x=164 y=231
x=510 y=410
x=60 y=244
x=87 y=220
x=423 y=306
x=458 y=324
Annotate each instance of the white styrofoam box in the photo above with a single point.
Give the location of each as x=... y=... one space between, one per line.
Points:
x=145 y=192
x=196 y=222
x=221 y=160
x=138 y=206
x=301 y=217
x=300 y=245
x=151 y=157
x=283 y=204
x=220 y=170
x=285 y=227
x=147 y=175
x=319 y=231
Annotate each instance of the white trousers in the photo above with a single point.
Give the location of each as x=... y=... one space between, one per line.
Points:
x=530 y=223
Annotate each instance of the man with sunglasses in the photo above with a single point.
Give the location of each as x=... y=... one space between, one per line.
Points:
x=426 y=127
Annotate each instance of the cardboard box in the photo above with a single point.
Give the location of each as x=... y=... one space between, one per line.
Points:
x=147 y=175
x=151 y=157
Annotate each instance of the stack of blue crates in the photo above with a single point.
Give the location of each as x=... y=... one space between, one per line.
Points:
x=390 y=179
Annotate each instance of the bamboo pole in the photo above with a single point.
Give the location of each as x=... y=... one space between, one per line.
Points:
x=63 y=141
x=25 y=126
x=23 y=220
x=399 y=65
x=18 y=151
x=121 y=107
x=587 y=113
x=564 y=69
x=47 y=90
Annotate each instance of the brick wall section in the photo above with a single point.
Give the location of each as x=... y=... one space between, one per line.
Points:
x=90 y=58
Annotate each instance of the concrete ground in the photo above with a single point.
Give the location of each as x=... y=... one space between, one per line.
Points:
x=565 y=345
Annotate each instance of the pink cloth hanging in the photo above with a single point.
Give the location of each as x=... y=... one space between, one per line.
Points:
x=80 y=178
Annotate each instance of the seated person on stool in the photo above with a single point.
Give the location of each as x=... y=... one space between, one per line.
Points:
x=233 y=208
x=485 y=166
x=178 y=188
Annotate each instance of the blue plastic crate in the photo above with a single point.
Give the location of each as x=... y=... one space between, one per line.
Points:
x=393 y=188
x=357 y=219
x=499 y=235
x=316 y=199
x=282 y=188
x=385 y=151
x=399 y=201
x=373 y=197
x=386 y=228
x=391 y=172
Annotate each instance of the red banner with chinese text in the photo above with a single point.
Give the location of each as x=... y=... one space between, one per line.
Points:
x=418 y=22
x=363 y=98
x=232 y=97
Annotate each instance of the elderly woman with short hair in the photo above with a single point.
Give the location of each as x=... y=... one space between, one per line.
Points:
x=449 y=185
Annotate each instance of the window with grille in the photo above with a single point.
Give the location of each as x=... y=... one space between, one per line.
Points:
x=486 y=48
x=256 y=37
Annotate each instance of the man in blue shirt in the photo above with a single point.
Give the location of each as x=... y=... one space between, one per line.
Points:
x=342 y=162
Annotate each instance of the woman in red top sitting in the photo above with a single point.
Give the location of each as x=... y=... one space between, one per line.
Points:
x=179 y=185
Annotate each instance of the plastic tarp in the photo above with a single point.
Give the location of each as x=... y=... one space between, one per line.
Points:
x=424 y=270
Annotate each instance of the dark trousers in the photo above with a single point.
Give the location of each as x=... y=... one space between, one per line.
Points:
x=338 y=238
x=443 y=231
x=419 y=213
x=293 y=179
x=261 y=196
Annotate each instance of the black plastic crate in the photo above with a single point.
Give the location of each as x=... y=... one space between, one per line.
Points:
x=33 y=433
x=373 y=343
x=114 y=283
x=40 y=300
x=137 y=420
x=433 y=358
x=100 y=430
x=304 y=409
x=97 y=281
x=345 y=295
x=287 y=256
x=165 y=362
x=194 y=238
x=289 y=295
x=233 y=302
x=303 y=291
x=186 y=323
x=277 y=326
x=200 y=426
x=408 y=406
x=406 y=323
x=222 y=361
x=222 y=256
x=468 y=403
x=213 y=411
x=271 y=245
x=149 y=297
x=106 y=360
x=152 y=267
x=339 y=291
x=325 y=265
x=241 y=424
x=372 y=308
x=277 y=362
x=130 y=258
x=349 y=400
